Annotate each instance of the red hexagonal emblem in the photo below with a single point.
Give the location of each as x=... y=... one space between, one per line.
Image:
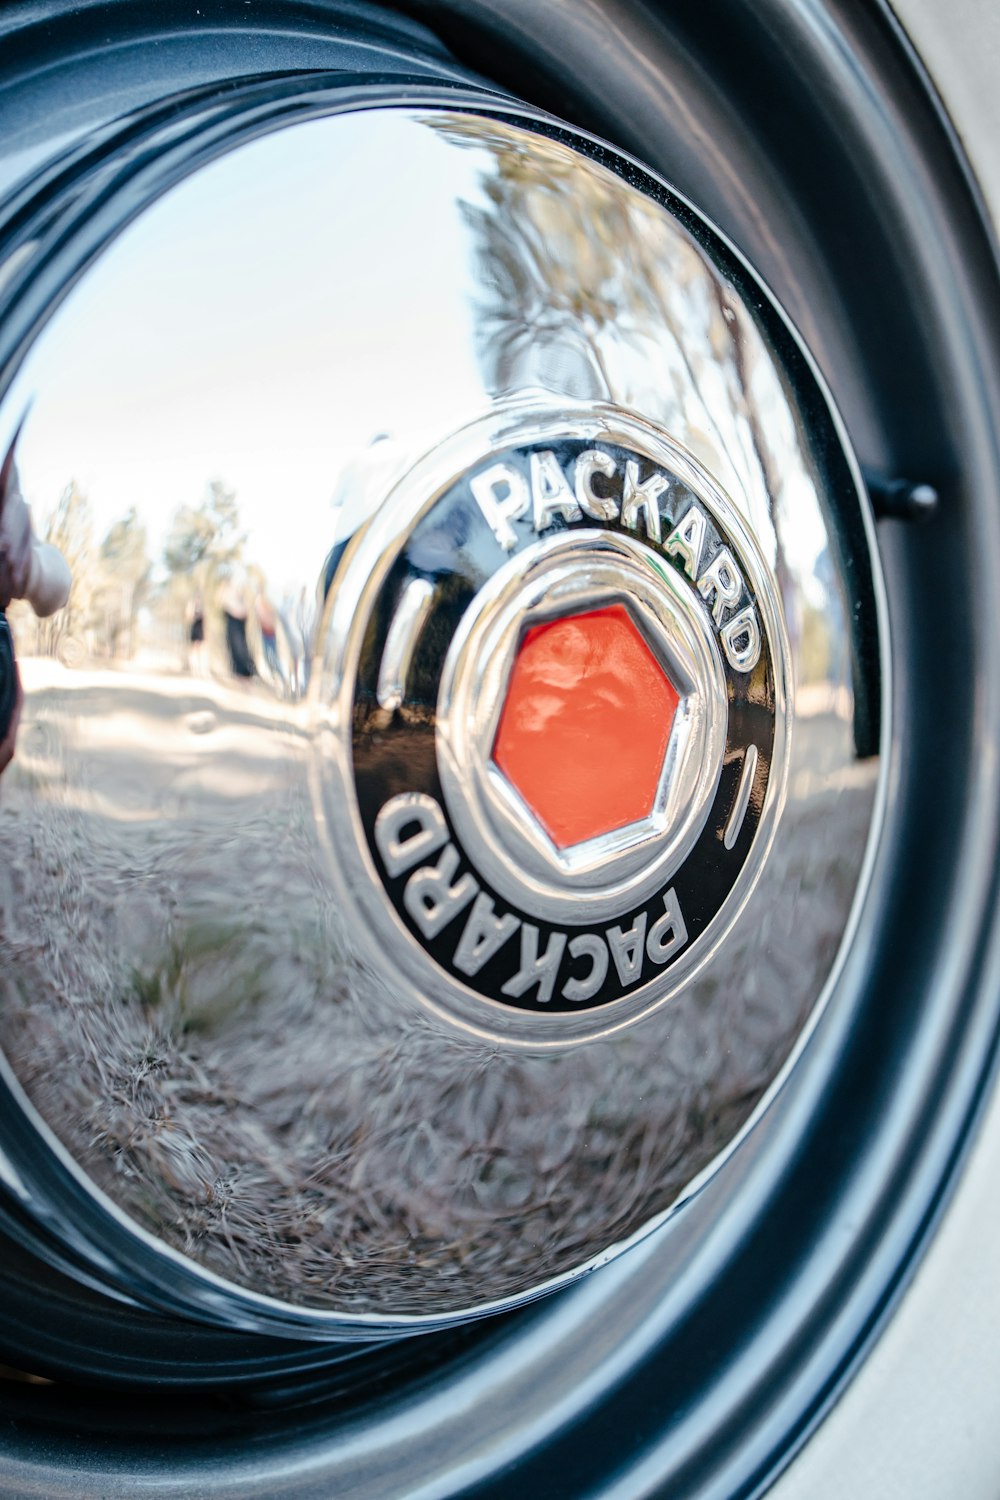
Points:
x=585 y=724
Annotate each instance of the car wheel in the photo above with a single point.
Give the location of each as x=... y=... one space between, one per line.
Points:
x=809 y=1037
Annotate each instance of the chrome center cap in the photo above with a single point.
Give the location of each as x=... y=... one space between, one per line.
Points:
x=560 y=727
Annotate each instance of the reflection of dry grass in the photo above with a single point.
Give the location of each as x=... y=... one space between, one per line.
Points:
x=181 y=1005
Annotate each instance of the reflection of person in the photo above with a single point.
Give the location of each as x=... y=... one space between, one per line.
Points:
x=234 y=613
x=196 y=635
x=267 y=619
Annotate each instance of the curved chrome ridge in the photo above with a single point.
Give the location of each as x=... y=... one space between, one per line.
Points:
x=742 y=802
x=219 y=1084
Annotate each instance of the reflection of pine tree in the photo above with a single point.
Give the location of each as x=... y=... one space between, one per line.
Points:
x=551 y=243
x=109 y=584
x=123 y=574
x=204 y=543
x=207 y=534
x=585 y=289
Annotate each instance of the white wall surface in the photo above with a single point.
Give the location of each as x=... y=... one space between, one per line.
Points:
x=922 y=1419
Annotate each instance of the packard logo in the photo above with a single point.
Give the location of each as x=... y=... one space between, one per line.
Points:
x=562 y=680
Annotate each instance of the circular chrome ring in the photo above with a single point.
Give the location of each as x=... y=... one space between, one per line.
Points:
x=602 y=876
x=358 y=847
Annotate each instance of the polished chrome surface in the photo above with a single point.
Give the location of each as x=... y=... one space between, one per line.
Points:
x=190 y=1011
x=408 y=622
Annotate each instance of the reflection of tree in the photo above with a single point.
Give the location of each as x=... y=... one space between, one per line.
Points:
x=205 y=537
x=587 y=289
x=203 y=554
x=122 y=583
x=114 y=580
x=109 y=584
x=555 y=247
x=70 y=528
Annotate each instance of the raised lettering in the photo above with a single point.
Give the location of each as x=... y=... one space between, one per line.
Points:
x=587 y=945
x=534 y=970
x=483 y=935
x=721 y=578
x=402 y=849
x=550 y=494
x=643 y=497
x=626 y=949
x=430 y=897
x=668 y=933
x=741 y=640
x=587 y=465
x=687 y=540
x=501 y=492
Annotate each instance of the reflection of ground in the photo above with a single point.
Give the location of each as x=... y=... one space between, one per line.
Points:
x=180 y=1003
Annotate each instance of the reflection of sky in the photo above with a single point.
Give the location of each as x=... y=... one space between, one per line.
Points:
x=358 y=276
x=245 y=329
